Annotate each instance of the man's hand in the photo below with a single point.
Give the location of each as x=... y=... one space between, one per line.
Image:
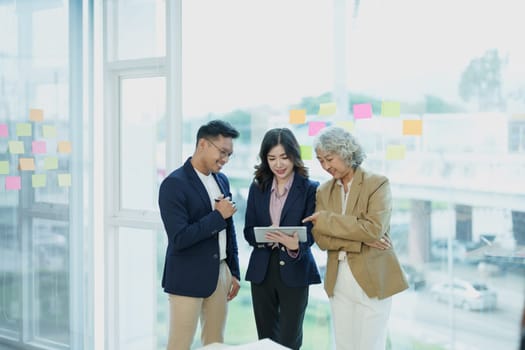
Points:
x=225 y=207
x=234 y=289
x=383 y=244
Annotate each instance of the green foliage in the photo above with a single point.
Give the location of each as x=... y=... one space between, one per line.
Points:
x=482 y=81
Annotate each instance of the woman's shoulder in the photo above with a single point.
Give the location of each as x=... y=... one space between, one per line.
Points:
x=371 y=177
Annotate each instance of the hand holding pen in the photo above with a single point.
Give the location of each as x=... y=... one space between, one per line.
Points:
x=225 y=206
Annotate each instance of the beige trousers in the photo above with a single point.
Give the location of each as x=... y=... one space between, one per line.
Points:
x=186 y=311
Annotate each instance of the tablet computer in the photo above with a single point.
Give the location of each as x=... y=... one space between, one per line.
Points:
x=260 y=232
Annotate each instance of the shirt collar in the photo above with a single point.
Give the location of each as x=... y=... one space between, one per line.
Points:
x=286 y=187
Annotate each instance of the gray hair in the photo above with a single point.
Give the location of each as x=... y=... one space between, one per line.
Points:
x=339 y=141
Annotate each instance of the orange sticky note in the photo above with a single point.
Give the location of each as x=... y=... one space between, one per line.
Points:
x=64 y=147
x=36 y=115
x=26 y=164
x=412 y=127
x=297 y=116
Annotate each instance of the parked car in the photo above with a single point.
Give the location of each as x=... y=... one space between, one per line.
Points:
x=415 y=277
x=465 y=294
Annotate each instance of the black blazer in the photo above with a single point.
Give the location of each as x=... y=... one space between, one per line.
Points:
x=192 y=256
x=300 y=203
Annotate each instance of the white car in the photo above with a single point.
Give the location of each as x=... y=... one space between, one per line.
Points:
x=468 y=295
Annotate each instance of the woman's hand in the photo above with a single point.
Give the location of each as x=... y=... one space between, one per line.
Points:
x=312 y=218
x=290 y=242
x=383 y=244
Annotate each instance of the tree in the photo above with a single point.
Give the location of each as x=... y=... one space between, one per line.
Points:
x=482 y=81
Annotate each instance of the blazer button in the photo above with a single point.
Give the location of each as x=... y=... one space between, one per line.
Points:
x=281 y=263
x=283 y=249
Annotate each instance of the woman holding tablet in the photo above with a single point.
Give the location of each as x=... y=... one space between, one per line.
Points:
x=281 y=270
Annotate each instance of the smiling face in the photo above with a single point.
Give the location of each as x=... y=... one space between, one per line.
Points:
x=335 y=165
x=215 y=153
x=280 y=164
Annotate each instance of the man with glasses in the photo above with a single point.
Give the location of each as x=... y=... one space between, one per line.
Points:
x=201 y=270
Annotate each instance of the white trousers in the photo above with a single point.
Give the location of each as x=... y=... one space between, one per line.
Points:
x=360 y=322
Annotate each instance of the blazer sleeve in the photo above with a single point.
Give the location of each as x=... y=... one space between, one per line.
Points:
x=370 y=222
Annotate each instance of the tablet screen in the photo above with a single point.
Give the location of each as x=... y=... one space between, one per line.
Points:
x=260 y=232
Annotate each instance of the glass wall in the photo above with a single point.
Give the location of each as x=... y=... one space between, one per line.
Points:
x=42 y=260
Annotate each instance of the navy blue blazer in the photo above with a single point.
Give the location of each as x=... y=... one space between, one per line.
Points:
x=192 y=260
x=300 y=203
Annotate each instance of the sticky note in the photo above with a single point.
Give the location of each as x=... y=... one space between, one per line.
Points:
x=412 y=127
x=64 y=180
x=23 y=129
x=13 y=183
x=50 y=163
x=347 y=125
x=514 y=116
x=16 y=147
x=36 y=115
x=390 y=109
x=38 y=147
x=395 y=152
x=297 y=116
x=38 y=180
x=315 y=127
x=49 y=131
x=362 y=110
x=4 y=167
x=64 y=147
x=306 y=152
x=4 y=132
x=327 y=108
x=26 y=164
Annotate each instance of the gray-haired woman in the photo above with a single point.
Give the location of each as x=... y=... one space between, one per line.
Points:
x=352 y=222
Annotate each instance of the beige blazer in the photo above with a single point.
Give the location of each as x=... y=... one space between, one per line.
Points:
x=366 y=219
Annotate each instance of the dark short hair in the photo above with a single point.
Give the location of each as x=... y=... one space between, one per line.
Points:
x=273 y=137
x=215 y=128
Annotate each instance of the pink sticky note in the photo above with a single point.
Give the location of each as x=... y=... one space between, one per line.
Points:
x=39 y=147
x=362 y=110
x=315 y=127
x=3 y=130
x=13 y=183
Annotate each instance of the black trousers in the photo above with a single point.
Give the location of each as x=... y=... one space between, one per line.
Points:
x=279 y=310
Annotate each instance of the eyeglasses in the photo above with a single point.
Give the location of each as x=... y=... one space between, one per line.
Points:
x=222 y=152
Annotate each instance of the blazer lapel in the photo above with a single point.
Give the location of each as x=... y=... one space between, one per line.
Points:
x=295 y=192
x=355 y=189
x=197 y=183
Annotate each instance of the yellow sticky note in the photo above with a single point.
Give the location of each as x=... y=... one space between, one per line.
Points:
x=395 y=152
x=306 y=152
x=4 y=167
x=38 y=180
x=26 y=164
x=390 y=109
x=412 y=127
x=16 y=147
x=23 y=129
x=64 y=147
x=36 y=115
x=50 y=163
x=347 y=125
x=49 y=131
x=64 y=180
x=297 y=116
x=327 y=108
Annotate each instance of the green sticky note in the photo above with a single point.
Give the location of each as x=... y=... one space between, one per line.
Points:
x=347 y=125
x=390 y=109
x=49 y=131
x=50 y=163
x=64 y=180
x=4 y=167
x=16 y=147
x=23 y=129
x=395 y=152
x=306 y=152
x=38 y=180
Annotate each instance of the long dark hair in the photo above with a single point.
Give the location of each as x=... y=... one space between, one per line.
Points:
x=273 y=137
